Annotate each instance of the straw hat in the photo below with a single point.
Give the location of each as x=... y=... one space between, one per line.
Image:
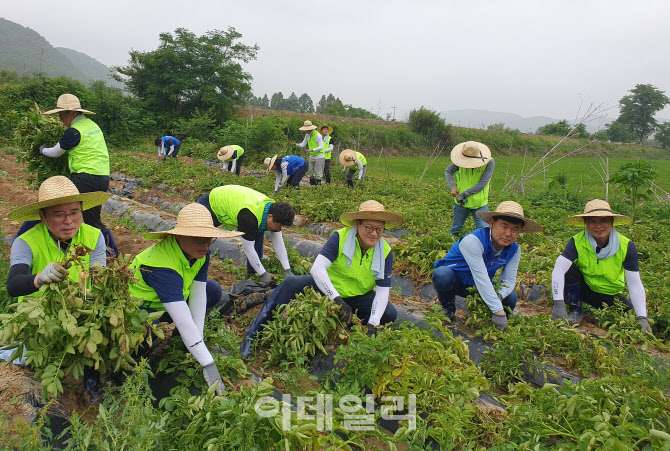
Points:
x=348 y=157
x=68 y=102
x=513 y=210
x=330 y=129
x=470 y=155
x=225 y=153
x=269 y=162
x=373 y=210
x=598 y=208
x=307 y=126
x=193 y=220
x=57 y=190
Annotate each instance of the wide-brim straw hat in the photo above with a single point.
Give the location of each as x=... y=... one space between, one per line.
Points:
x=225 y=153
x=68 y=102
x=193 y=220
x=330 y=129
x=512 y=209
x=307 y=126
x=598 y=208
x=348 y=157
x=269 y=162
x=470 y=155
x=372 y=210
x=57 y=190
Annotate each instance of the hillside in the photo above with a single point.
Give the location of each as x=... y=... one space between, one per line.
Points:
x=25 y=51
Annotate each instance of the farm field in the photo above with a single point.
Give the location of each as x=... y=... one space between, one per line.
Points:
x=622 y=402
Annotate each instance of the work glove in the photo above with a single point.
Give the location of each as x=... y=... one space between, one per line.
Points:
x=372 y=330
x=52 y=273
x=500 y=321
x=266 y=277
x=559 y=309
x=42 y=147
x=644 y=324
x=461 y=199
x=288 y=272
x=212 y=376
x=345 y=310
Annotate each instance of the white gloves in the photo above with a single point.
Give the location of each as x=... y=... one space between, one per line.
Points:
x=52 y=273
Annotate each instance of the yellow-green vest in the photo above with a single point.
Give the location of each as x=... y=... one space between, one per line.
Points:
x=356 y=279
x=605 y=276
x=164 y=254
x=45 y=249
x=228 y=200
x=326 y=145
x=312 y=144
x=466 y=179
x=361 y=157
x=90 y=155
x=239 y=150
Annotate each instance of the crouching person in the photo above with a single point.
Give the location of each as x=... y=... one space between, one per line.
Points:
x=37 y=255
x=172 y=277
x=474 y=260
x=354 y=269
x=595 y=265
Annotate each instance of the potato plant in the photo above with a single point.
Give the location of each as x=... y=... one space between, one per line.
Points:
x=70 y=325
x=32 y=131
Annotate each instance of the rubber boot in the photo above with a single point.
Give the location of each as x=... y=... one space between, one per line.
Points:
x=573 y=299
x=350 y=183
x=449 y=308
x=112 y=250
x=92 y=386
x=265 y=315
x=312 y=181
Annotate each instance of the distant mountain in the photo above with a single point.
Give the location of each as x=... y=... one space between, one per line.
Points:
x=482 y=119
x=27 y=52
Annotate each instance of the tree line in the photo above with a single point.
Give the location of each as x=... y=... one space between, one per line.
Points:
x=329 y=105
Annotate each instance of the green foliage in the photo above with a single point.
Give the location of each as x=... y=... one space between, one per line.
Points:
x=199 y=125
x=663 y=135
x=638 y=109
x=232 y=133
x=188 y=72
x=428 y=123
x=635 y=178
x=5 y=299
x=562 y=128
x=267 y=137
x=68 y=326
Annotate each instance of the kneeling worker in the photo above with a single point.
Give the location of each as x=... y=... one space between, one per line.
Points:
x=354 y=269
x=474 y=260
x=173 y=272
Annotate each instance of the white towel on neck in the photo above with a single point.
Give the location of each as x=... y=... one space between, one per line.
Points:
x=378 y=261
x=610 y=249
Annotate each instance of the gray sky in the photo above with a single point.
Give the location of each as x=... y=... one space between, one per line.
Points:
x=529 y=57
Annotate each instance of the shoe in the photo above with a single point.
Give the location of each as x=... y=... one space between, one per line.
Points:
x=575 y=317
x=450 y=312
x=93 y=390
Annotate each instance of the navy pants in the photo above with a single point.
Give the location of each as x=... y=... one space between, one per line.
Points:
x=448 y=286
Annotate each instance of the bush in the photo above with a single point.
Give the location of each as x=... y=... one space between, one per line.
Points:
x=267 y=137
x=429 y=124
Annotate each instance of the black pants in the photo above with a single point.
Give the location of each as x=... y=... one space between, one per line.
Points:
x=577 y=291
x=174 y=152
x=88 y=183
x=326 y=170
x=238 y=166
x=294 y=180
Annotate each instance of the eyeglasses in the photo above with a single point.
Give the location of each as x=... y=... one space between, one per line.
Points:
x=370 y=229
x=201 y=241
x=62 y=216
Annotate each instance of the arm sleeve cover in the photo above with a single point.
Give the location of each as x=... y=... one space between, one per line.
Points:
x=197 y=303
x=561 y=267
x=636 y=291
x=473 y=252
x=379 y=304
x=278 y=245
x=252 y=256
x=190 y=335
x=53 y=152
x=319 y=272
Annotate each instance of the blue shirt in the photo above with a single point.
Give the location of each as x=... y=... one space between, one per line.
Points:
x=169 y=141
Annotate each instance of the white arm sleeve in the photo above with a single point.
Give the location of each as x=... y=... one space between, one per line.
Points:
x=304 y=142
x=232 y=168
x=171 y=150
x=636 y=290
x=508 y=275
x=197 y=302
x=54 y=151
x=278 y=245
x=473 y=253
x=192 y=338
x=277 y=184
x=360 y=168
x=252 y=256
x=561 y=266
x=284 y=176
x=161 y=149
x=379 y=304
x=99 y=254
x=319 y=272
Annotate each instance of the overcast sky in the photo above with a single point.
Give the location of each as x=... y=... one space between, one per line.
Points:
x=529 y=57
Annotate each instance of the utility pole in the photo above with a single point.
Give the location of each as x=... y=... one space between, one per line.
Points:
x=393 y=112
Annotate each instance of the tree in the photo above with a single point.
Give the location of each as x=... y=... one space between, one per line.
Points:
x=277 y=101
x=188 y=72
x=663 y=135
x=560 y=128
x=637 y=110
x=429 y=123
x=306 y=104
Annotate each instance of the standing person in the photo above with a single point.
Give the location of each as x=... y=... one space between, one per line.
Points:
x=474 y=260
x=168 y=147
x=348 y=158
x=469 y=177
x=235 y=155
x=290 y=167
x=354 y=269
x=252 y=213
x=37 y=255
x=171 y=276
x=326 y=131
x=88 y=158
x=596 y=264
x=317 y=158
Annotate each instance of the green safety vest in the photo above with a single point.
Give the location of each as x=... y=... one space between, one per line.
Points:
x=312 y=144
x=604 y=276
x=164 y=254
x=45 y=249
x=239 y=150
x=361 y=157
x=90 y=155
x=466 y=179
x=228 y=200
x=356 y=279
x=326 y=145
